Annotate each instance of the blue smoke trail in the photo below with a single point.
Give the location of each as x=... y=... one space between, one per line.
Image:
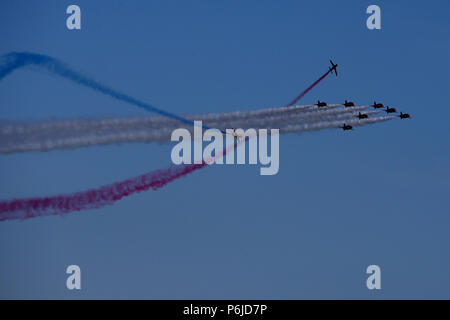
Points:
x=16 y=60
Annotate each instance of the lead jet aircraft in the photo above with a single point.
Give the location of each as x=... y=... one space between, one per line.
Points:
x=333 y=68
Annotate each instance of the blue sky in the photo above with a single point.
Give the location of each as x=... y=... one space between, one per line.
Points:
x=340 y=202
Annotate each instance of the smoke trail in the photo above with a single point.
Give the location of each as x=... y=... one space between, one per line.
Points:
x=280 y=120
x=96 y=198
x=331 y=124
x=70 y=138
x=16 y=60
x=301 y=95
x=15 y=127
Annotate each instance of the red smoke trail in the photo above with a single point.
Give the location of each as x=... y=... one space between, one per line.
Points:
x=301 y=95
x=95 y=198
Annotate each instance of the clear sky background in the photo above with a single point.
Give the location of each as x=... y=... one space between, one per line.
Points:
x=340 y=202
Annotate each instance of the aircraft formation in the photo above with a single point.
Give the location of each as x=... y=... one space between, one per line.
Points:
x=375 y=105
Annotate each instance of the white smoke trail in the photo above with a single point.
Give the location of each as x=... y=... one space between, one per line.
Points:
x=147 y=135
x=213 y=120
x=331 y=124
x=75 y=130
x=283 y=120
